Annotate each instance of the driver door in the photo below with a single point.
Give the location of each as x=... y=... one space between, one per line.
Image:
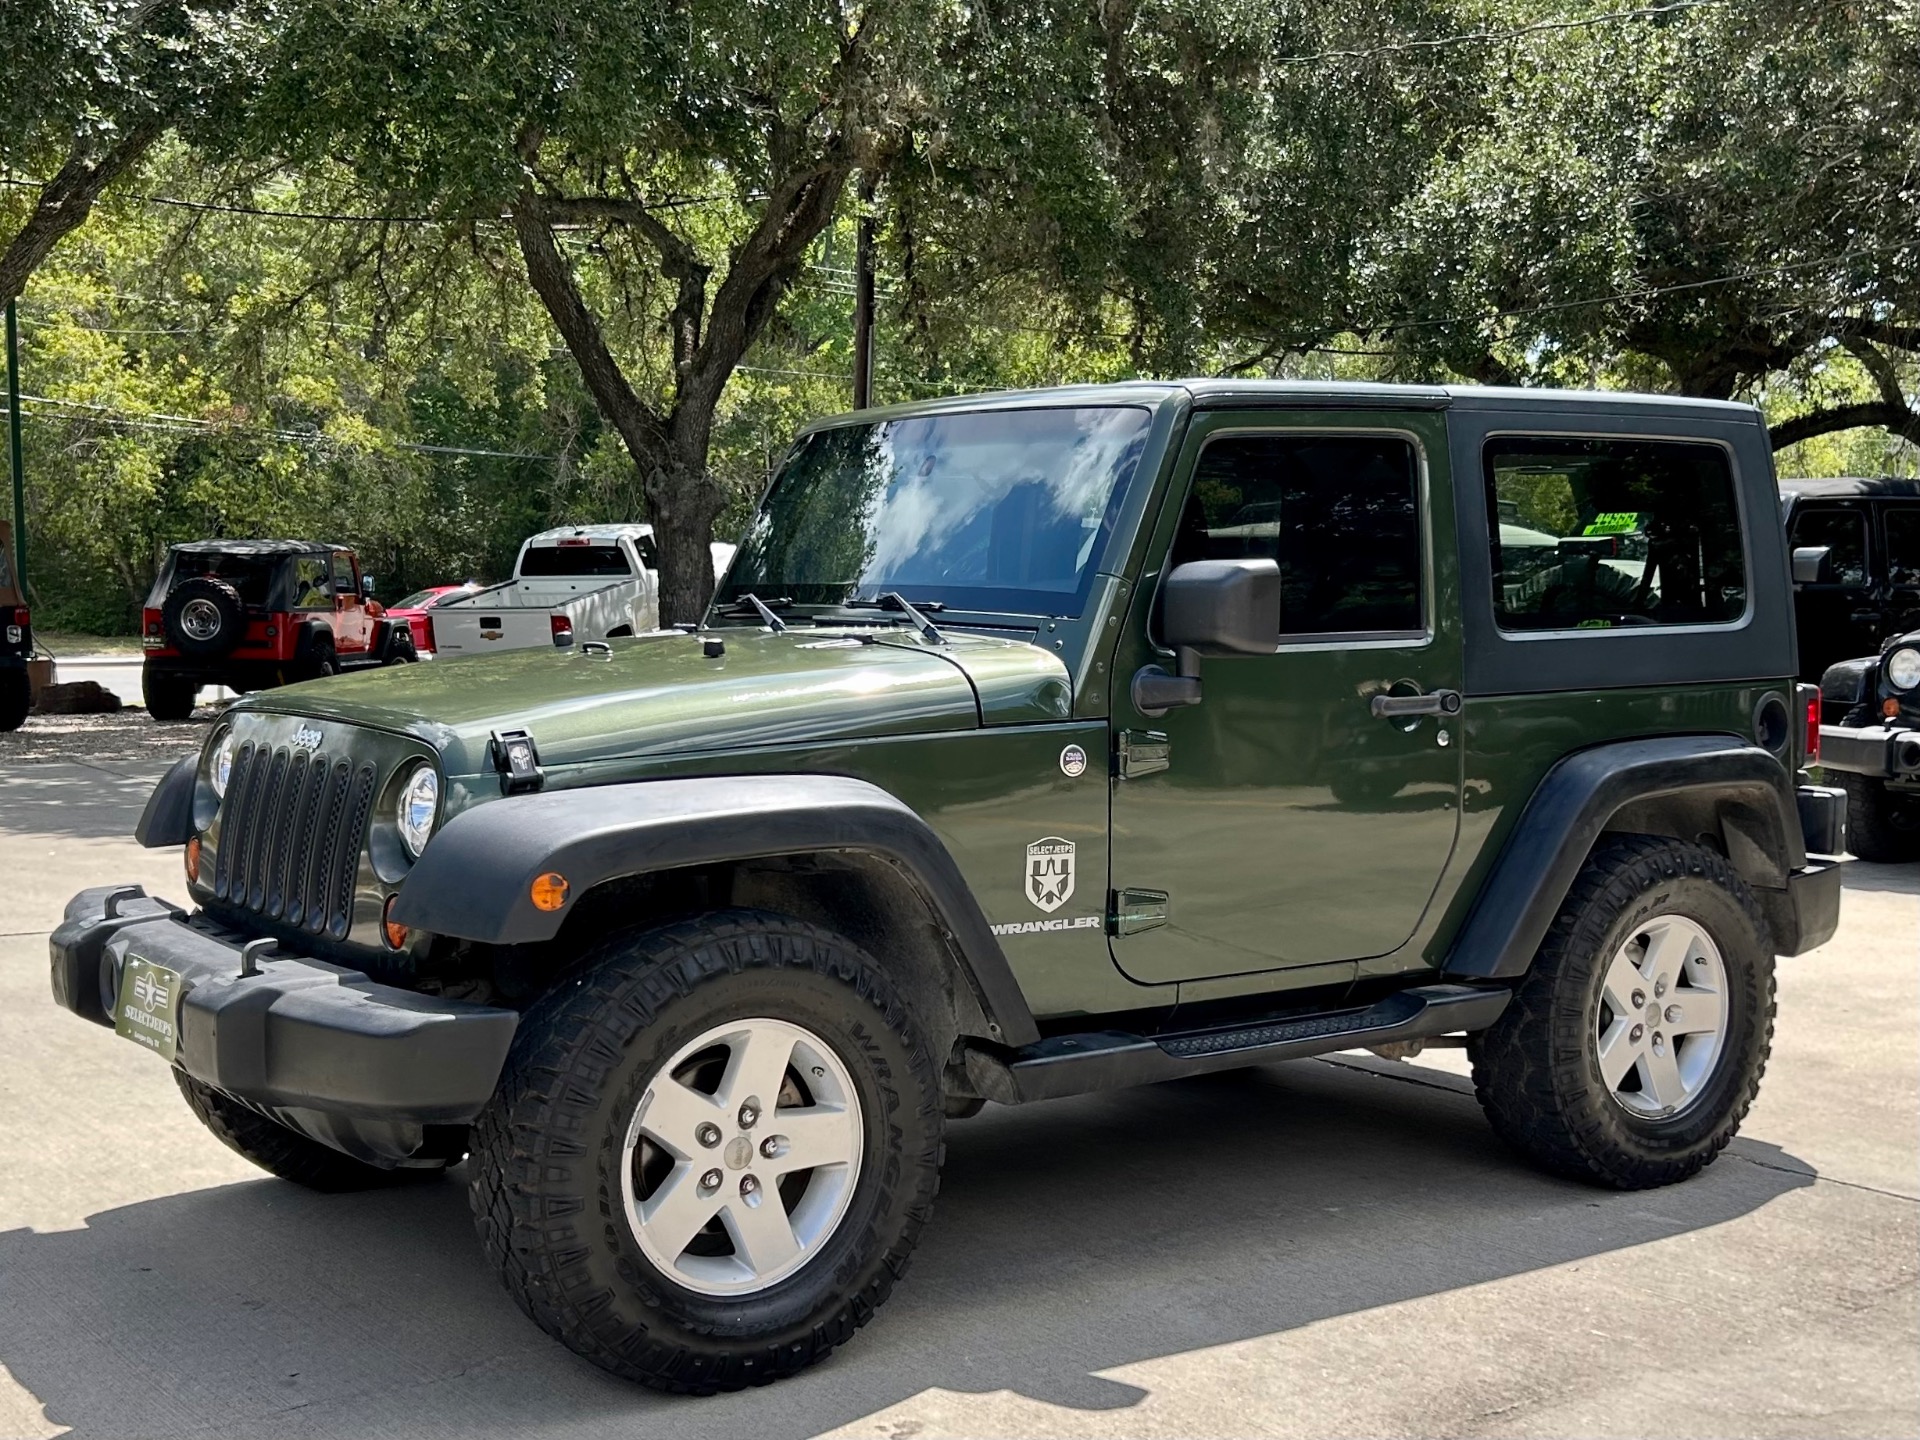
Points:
x=1279 y=824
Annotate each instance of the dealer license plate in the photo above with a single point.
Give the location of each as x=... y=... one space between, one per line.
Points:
x=149 y=1010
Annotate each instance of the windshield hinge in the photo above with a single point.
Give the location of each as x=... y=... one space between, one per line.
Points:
x=1141 y=752
x=1129 y=912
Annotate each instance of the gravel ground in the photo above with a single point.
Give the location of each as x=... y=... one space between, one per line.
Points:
x=125 y=735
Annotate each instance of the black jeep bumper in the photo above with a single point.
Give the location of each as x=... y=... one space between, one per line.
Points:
x=1876 y=750
x=358 y=1065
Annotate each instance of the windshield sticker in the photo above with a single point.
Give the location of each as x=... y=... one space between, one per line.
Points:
x=1614 y=522
x=1073 y=761
x=1050 y=872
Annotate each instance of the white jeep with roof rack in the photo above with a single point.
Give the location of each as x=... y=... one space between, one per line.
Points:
x=583 y=582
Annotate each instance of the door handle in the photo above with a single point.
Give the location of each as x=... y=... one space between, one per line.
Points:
x=1394 y=707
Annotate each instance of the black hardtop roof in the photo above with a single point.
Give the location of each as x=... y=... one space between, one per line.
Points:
x=255 y=547
x=1211 y=393
x=1842 y=486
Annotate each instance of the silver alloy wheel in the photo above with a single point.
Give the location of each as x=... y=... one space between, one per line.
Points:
x=1662 y=1020
x=200 y=619
x=742 y=1156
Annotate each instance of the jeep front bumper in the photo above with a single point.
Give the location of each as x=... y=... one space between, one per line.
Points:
x=1871 y=750
x=296 y=1038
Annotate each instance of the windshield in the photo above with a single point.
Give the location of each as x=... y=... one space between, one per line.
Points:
x=994 y=511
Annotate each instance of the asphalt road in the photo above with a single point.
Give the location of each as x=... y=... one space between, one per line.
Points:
x=1325 y=1248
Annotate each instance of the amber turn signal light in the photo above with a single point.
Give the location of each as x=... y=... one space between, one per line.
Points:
x=394 y=933
x=192 y=859
x=549 y=891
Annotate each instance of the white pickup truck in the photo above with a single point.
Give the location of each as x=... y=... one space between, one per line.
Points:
x=588 y=582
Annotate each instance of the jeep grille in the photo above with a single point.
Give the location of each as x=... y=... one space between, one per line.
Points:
x=290 y=836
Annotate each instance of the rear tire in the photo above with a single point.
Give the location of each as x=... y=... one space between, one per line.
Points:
x=1673 y=915
x=287 y=1153
x=1881 y=826
x=168 y=697
x=571 y=1186
x=16 y=697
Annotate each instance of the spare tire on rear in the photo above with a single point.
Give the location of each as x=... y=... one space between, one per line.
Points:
x=204 y=617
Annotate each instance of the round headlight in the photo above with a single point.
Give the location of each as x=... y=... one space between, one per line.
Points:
x=220 y=767
x=1903 y=668
x=419 y=807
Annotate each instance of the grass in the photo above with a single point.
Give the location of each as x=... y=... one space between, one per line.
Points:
x=67 y=646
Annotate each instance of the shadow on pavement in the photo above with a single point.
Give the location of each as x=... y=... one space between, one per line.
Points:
x=77 y=799
x=1068 y=1239
x=1893 y=879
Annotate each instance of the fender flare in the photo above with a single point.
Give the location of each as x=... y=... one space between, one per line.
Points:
x=472 y=881
x=1753 y=802
x=168 y=816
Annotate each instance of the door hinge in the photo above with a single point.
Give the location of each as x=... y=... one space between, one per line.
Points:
x=1142 y=752
x=1129 y=912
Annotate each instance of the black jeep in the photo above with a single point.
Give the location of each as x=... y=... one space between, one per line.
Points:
x=1874 y=749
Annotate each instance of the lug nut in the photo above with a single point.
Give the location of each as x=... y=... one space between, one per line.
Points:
x=1660 y=986
x=749 y=1189
x=710 y=1180
x=773 y=1145
x=1634 y=1036
x=1659 y=1041
x=1639 y=999
x=708 y=1135
x=749 y=1114
x=1673 y=1014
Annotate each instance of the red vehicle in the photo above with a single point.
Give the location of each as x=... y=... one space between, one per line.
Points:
x=414 y=610
x=252 y=614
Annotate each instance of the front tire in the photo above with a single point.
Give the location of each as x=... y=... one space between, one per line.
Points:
x=720 y=1047
x=283 y=1152
x=1881 y=826
x=1634 y=1046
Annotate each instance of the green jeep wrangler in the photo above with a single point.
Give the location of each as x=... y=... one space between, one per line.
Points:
x=1035 y=744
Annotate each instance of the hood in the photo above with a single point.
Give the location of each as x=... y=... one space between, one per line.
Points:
x=660 y=695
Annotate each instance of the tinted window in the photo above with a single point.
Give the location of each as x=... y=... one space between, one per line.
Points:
x=1340 y=513
x=995 y=511
x=251 y=575
x=1843 y=532
x=1903 y=545
x=575 y=557
x=343 y=581
x=1596 y=534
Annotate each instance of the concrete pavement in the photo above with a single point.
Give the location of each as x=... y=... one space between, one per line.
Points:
x=1324 y=1248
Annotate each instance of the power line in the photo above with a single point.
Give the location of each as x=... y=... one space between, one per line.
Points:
x=1438 y=42
x=160 y=421
x=341 y=218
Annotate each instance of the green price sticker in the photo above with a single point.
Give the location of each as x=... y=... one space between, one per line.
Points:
x=1614 y=522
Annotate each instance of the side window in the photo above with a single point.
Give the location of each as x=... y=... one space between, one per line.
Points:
x=1340 y=513
x=1903 y=546
x=343 y=581
x=311 y=588
x=1597 y=534
x=1843 y=531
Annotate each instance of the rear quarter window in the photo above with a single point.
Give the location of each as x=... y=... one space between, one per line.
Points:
x=1612 y=533
x=573 y=559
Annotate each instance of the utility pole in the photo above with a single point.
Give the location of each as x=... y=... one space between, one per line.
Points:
x=863 y=298
x=13 y=452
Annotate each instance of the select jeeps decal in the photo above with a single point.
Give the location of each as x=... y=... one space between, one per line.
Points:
x=1049 y=881
x=1073 y=762
x=1050 y=872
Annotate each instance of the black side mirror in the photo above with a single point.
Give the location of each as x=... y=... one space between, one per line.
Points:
x=1210 y=607
x=1813 y=565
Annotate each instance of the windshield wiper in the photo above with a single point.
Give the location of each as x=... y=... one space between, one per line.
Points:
x=894 y=600
x=763 y=608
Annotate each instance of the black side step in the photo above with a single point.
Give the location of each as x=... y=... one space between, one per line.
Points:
x=1104 y=1060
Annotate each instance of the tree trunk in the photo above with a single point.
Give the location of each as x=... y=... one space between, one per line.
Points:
x=65 y=202
x=681 y=509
